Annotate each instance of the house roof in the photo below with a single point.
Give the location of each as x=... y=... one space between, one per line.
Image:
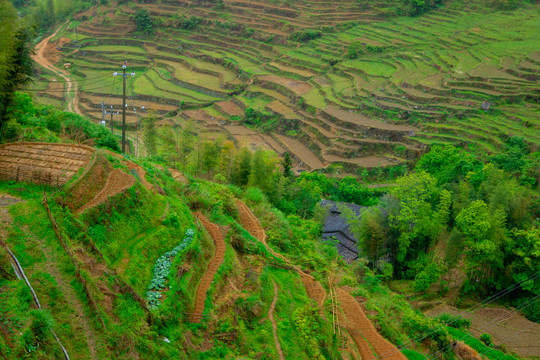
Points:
x=335 y=225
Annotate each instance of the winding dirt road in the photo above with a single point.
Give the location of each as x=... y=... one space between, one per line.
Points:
x=41 y=59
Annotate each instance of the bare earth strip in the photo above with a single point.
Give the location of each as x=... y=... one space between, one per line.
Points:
x=363 y=331
x=213 y=266
x=359 y=119
x=301 y=151
x=117 y=182
x=250 y=222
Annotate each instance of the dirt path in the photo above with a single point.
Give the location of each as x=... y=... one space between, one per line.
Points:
x=211 y=270
x=363 y=332
x=250 y=222
x=273 y=321
x=40 y=58
x=117 y=182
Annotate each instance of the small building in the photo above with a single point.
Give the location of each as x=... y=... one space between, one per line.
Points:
x=336 y=226
x=486 y=105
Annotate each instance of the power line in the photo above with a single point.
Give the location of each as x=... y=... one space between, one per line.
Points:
x=488 y=326
x=85 y=79
x=79 y=83
x=504 y=340
x=471 y=309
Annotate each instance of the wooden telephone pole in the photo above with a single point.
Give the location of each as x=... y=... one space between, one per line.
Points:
x=124 y=75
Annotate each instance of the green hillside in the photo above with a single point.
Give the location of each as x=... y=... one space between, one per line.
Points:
x=298 y=180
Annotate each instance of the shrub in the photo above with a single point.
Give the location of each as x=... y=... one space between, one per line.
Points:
x=455 y=321
x=486 y=339
x=305 y=35
x=143 y=21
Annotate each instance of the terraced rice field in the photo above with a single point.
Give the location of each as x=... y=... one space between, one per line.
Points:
x=416 y=81
x=52 y=164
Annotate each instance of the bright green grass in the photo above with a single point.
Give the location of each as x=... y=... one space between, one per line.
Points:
x=163 y=87
x=117 y=48
x=315 y=99
x=372 y=68
x=181 y=72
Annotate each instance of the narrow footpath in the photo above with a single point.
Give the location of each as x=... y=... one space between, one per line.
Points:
x=211 y=270
x=273 y=321
x=41 y=59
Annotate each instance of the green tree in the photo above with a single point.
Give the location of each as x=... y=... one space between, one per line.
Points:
x=150 y=133
x=242 y=168
x=143 y=21
x=287 y=165
x=16 y=62
x=414 y=193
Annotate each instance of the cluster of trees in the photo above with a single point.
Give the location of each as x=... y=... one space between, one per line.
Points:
x=485 y=218
x=418 y=7
x=16 y=63
x=220 y=160
x=306 y=35
x=356 y=48
x=27 y=122
x=144 y=22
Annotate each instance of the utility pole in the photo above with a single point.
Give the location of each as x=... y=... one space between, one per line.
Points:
x=124 y=104
x=109 y=113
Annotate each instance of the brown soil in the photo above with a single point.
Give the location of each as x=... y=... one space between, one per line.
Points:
x=42 y=162
x=301 y=151
x=367 y=161
x=273 y=321
x=230 y=108
x=250 y=222
x=178 y=176
x=465 y=352
x=299 y=87
x=142 y=174
x=358 y=119
x=508 y=326
x=117 y=182
x=41 y=58
x=239 y=130
x=363 y=331
x=211 y=270
x=280 y=108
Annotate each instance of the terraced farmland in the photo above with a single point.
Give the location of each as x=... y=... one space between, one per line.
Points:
x=414 y=81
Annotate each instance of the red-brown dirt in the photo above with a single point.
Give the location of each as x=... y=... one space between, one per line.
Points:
x=178 y=176
x=250 y=222
x=117 y=182
x=42 y=162
x=363 y=332
x=211 y=270
x=299 y=87
x=230 y=108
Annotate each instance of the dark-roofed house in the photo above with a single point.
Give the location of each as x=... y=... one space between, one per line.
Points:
x=335 y=225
